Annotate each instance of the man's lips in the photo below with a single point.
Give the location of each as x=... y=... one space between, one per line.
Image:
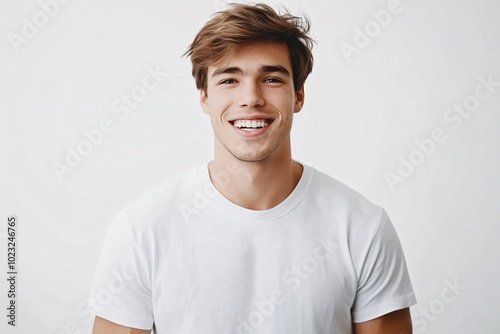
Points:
x=251 y=117
x=251 y=126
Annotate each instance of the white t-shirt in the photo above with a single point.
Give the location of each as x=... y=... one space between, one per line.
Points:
x=187 y=260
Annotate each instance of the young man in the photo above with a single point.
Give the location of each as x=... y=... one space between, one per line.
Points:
x=253 y=241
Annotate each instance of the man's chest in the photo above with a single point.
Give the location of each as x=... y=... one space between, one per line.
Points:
x=259 y=283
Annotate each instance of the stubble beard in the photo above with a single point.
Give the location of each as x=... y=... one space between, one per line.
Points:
x=255 y=155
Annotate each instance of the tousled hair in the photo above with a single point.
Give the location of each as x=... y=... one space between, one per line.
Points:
x=242 y=25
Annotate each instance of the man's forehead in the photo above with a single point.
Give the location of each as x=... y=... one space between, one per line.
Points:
x=254 y=57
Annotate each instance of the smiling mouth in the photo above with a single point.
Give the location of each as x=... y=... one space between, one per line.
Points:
x=251 y=124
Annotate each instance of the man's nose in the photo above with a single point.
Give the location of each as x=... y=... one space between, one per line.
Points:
x=251 y=95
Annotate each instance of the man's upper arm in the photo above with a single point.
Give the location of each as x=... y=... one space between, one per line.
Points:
x=122 y=276
x=103 y=326
x=383 y=280
x=397 y=322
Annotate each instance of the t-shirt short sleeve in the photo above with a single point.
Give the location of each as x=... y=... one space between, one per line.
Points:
x=383 y=281
x=121 y=290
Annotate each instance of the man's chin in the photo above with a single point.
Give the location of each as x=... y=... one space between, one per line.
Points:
x=252 y=157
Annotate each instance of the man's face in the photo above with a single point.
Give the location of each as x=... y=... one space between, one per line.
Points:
x=251 y=101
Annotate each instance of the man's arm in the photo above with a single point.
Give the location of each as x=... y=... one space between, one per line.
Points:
x=397 y=322
x=103 y=326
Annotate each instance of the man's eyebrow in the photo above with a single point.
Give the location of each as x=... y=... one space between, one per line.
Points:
x=227 y=70
x=274 y=68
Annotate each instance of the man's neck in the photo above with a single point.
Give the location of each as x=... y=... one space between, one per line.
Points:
x=256 y=185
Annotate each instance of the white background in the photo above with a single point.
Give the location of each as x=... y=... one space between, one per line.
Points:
x=362 y=115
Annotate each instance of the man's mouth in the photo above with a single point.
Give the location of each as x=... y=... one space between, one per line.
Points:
x=251 y=124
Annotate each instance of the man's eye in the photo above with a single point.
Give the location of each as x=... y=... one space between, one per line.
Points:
x=227 y=82
x=273 y=80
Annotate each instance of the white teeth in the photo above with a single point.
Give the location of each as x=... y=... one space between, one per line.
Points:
x=250 y=124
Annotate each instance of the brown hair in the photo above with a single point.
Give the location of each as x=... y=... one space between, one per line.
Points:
x=242 y=25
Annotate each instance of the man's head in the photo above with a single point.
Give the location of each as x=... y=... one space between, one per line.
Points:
x=243 y=25
x=250 y=64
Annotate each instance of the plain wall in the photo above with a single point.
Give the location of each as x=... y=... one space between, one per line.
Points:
x=373 y=105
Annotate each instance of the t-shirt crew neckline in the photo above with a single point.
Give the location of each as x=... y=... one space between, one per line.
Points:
x=255 y=216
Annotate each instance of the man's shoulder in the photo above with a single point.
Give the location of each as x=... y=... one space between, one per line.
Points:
x=324 y=184
x=341 y=199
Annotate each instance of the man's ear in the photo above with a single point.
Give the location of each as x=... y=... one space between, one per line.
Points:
x=204 y=101
x=299 y=99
